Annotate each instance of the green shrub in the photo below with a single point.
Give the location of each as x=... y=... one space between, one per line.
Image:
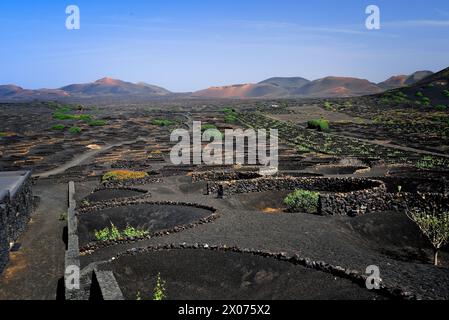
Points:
x=208 y=126
x=162 y=122
x=434 y=225
x=3 y=134
x=303 y=200
x=66 y=116
x=102 y=235
x=58 y=127
x=441 y=107
x=75 y=130
x=113 y=233
x=328 y=106
x=159 y=290
x=419 y=94
x=446 y=93
x=132 y=232
x=97 y=123
x=230 y=118
x=320 y=124
x=425 y=101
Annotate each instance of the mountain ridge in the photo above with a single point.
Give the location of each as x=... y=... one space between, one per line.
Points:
x=271 y=88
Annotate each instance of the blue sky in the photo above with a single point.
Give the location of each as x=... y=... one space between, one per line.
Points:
x=192 y=44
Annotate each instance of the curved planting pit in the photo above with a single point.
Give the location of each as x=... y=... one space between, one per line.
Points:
x=114 y=193
x=191 y=274
x=338 y=196
x=151 y=219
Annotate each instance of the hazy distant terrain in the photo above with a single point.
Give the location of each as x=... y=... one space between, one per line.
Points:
x=273 y=88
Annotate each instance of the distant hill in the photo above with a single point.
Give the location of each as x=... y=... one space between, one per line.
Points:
x=338 y=87
x=286 y=82
x=243 y=91
x=103 y=88
x=404 y=80
x=434 y=87
x=15 y=93
x=417 y=76
x=108 y=86
x=393 y=82
x=294 y=87
x=108 y=89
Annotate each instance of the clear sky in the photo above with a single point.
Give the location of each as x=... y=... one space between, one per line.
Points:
x=188 y=45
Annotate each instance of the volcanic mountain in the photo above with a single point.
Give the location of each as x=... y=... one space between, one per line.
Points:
x=337 y=87
x=13 y=92
x=108 y=89
x=434 y=87
x=103 y=88
x=404 y=80
x=109 y=86
x=278 y=87
x=294 y=87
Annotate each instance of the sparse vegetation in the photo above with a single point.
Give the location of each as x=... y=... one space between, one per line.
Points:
x=58 y=127
x=230 y=115
x=208 y=126
x=419 y=94
x=302 y=149
x=123 y=175
x=303 y=200
x=440 y=107
x=162 y=122
x=159 y=290
x=113 y=233
x=319 y=124
x=75 y=130
x=97 y=123
x=425 y=101
x=3 y=134
x=328 y=106
x=429 y=162
x=215 y=132
x=434 y=225
x=66 y=116
x=63 y=216
x=446 y=93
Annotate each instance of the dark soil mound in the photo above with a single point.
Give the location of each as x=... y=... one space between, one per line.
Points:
x=192 y=274
x=110 y=194
x=394 y=235
x=150 y=217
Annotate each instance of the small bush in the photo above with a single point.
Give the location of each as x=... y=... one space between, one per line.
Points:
x=75 y=130
x=419 y=94
x=434 y=225
x=131 y=232
x=159 y=290
x=3 y=134
x=446 y=93
x=162 y=122
x=58 y=127
x=113 y=233
x=65 y=116
x=102 y=235
x=97 y=123
x=303 y=200
x=440 y=107
x=208 y=126
x=118 y=175
x=319 y=124
x=328 y=106
x=425 y=101
x=230 y=118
